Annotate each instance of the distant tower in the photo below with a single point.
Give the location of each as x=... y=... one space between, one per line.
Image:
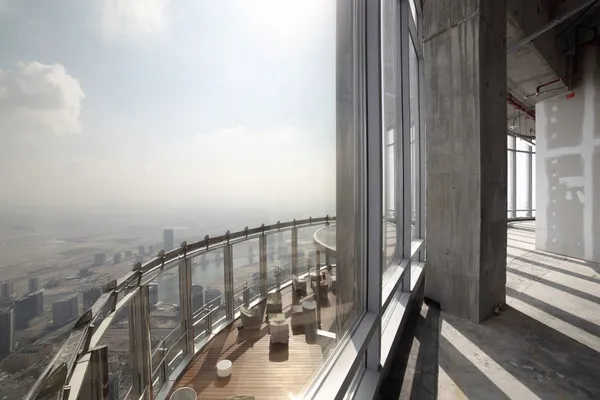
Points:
x=114 y=381
x=151 y=250
x=142 y=250
x=6 y=290
x=7 y=332
x=99 y=258
x=168 y=239
x=64 y=311
x=34 y=285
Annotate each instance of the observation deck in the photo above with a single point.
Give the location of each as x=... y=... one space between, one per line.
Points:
x=140 y=348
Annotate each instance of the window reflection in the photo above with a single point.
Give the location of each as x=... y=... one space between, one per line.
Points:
x=391 y=131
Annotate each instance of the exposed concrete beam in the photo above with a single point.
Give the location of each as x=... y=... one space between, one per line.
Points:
x=550 y=25
x=538 y=62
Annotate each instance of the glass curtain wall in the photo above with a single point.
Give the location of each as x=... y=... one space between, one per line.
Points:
x=295 y=111
x=521 y=178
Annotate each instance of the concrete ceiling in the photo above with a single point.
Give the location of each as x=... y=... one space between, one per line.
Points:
x=538 y=70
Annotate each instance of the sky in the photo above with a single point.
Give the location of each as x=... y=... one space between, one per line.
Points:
x=168 y=104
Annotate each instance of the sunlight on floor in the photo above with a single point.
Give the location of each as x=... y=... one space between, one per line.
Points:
x=498 y=376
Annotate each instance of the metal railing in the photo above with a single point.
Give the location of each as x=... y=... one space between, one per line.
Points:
x=115 y=343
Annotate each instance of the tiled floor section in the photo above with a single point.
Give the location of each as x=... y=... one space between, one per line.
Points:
x=544 y=345
x=260 y=370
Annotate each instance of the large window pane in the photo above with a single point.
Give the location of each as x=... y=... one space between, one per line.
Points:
x=119 y=353
x=246 y=271
x=414 y=138
x=391 y=129
x=510 y=184
x=533 y=182
x=138 y=128
x=522 y=186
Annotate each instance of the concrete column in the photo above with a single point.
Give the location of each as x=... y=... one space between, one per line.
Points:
x=465 y=89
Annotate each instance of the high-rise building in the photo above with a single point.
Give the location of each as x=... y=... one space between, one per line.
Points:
x=6 y=290
x=128 y=254
x=90 y=296
x=117 y=258
x=27 y=308
x=197 y=297
x=99 y=258
x=65 y=311
x=114 y=381
x=153 y=294
x=151 y=250
x=211 y=294
x=7 y=332
x=34 y=285
x=168 y=239
x=142 y=250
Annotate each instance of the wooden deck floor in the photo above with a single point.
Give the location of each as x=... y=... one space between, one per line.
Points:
x=259 y=370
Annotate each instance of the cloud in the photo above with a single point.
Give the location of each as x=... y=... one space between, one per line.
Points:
x=40 y=97
x=133 y=18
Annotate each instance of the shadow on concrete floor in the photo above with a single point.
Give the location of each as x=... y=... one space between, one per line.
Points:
x=556 y=312
x=516 y=357
x=413 y=373
x=548 y=363
x=527 y=259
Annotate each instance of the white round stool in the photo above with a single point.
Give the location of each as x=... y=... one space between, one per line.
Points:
x=224 y=368
x=184 y=394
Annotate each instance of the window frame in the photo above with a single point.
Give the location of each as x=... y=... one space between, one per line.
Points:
x=362 y=359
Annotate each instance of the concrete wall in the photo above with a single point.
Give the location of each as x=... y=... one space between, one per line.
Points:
x=568 y=167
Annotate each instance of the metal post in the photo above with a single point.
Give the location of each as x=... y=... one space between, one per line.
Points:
x=185 y=301
x=295 y=251
x=208 y=322
x=228 y=275
x=295 y=297
x=318 y=294
x=164 y=365
x=139 y=341
x=262 y=244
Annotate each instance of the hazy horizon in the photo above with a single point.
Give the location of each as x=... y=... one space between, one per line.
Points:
x=160 y=106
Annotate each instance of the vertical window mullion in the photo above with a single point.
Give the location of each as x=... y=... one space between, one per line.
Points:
x=404 y=91
x=422 y=133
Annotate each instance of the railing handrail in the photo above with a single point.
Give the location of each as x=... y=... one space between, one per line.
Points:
x=81 y=332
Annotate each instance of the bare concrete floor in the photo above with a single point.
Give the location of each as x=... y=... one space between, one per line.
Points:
x=544 y=345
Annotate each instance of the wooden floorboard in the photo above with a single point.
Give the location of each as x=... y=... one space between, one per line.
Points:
x=259 y=370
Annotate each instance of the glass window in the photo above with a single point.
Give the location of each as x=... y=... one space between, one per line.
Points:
x=246 y=271
x=391 y=131
x=522 y=185
x=533 y=181
x=510 y=186
x=414 y=139
x=510 y=142
x=136 y=127
x=523 y=145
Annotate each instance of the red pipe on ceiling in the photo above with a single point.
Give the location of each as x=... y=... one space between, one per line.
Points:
x=520 y=106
